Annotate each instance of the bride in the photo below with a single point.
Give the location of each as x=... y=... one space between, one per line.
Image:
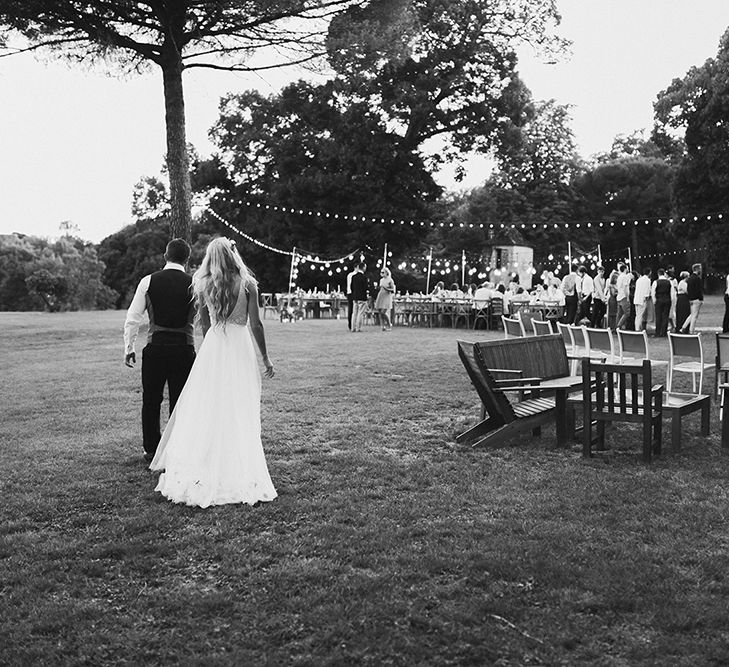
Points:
x=211 y=451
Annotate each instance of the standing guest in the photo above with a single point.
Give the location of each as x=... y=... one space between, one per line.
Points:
x=569 y=289
x=211 y=451
x=695 y=292
x=661 y=295
x=599 y=298
x=683 y=306
x=360 y=294
x=623 y=296
x=585 y=287
x=612 y=301
x=640 y=298
x=350 y=298
x=671 y=275
x=170 y=350
x=383 y=303
x=725 y=323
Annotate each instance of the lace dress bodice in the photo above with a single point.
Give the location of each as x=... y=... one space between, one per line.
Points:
x=239 y=314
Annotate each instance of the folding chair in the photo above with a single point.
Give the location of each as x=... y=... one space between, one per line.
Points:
x=687 y=356
x=721 y=361
x=600 y=345
x=542 y=327
x=513 y=327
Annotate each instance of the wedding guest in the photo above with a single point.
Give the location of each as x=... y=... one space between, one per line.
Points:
x=170 y=350
x=383 y=303
x=623 y=296
x=640 y=299
x=455 y=292
x=585 y=286
x=439 y=291
x=683 y=306
x=695 y=292
x=599 y=298
x=725 y=322
x=211 y=451
x=671 y=275
x=612 y=302
x=360 y=294
x=554 y=293
x=569 y=288
x=350 y=298
x=661 y=295
x=482 y=295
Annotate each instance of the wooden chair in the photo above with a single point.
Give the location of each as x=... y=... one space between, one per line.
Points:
x=620 y=393
x=687 y=356
x=501 y=417
x=462 y=311
x=482 y=312
x=721 y=361
x=496 y=310
x=513 y=327
x=552 y=311
x=542 y=328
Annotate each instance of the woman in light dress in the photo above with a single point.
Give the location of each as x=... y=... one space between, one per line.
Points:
x=211 y=451
x=383 y=302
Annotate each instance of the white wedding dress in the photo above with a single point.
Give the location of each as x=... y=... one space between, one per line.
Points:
x=211 y=451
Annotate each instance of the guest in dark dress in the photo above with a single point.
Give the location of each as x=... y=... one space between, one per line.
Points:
x=683 y=306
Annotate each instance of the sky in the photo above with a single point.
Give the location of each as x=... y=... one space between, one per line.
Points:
x=73 y=141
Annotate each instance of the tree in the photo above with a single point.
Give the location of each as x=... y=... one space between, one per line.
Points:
x=173 y=35
x=697 y=107
x=440 y=68
x=51 y=287
x=309 y=149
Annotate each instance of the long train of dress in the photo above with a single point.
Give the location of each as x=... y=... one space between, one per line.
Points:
x=211 y=451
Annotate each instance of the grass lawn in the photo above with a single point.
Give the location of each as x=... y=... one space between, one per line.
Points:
x=388 y=544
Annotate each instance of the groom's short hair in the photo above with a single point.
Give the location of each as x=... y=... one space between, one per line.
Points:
x=177 y=251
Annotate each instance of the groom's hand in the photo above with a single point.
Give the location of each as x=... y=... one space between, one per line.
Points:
x=130 y=359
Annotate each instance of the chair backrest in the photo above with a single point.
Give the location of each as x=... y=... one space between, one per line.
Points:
x=552 y=310
x=527 y=316
x=494 y=400
x=722 y=350
x=496 y=306
x=633 y=344
x=685 y=345
x=534 y=356
x=617 y=390
x=566 y=333
x=578 y=335
x=600 y=340
x=542 y=328
x=513 y=327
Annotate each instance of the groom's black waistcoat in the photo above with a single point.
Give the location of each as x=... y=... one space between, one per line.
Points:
x=171 y=308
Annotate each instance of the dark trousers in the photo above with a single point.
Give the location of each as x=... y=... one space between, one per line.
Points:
x=663 y=310
x=570 y=307
x=599 y=307
x=350 y=307
x=584 y=310
x=161 y=364
x=725 y=323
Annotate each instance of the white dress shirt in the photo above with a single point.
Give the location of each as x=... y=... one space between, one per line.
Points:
x=138 y=307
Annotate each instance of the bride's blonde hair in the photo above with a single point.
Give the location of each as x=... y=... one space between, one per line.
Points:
x=217 y=276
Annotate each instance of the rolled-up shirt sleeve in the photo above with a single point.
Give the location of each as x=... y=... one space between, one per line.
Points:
x=135 y=315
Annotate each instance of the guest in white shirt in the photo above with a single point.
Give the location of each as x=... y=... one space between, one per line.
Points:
x=585 y=288
x=482 y=295
x=599 y=298
x=623 y=296
x=640 y=298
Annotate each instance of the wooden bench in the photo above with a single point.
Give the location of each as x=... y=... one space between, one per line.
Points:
x=501 y=417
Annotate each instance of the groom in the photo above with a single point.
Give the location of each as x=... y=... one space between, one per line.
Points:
x=167 y=358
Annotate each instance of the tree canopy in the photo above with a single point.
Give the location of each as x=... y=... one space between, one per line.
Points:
x=173 y=35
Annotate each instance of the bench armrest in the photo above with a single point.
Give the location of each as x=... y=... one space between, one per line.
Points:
x=520 y=383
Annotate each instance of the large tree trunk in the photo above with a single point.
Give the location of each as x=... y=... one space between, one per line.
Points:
x=178 y=162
